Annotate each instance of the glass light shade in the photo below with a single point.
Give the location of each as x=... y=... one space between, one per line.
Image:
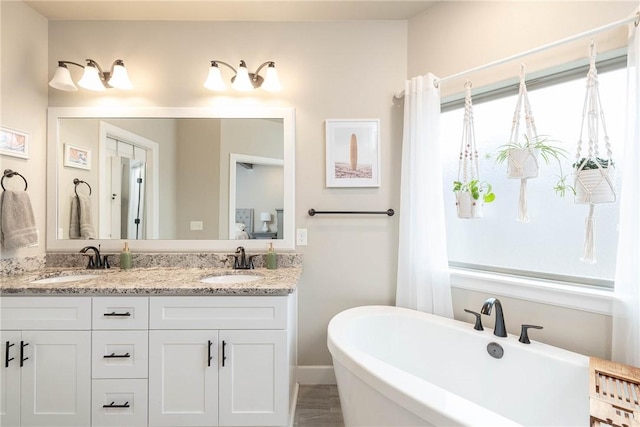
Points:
x=242 y=82
x=62 y=79
x=271 y=81
x=120 y=79
x=91 y=79
x=214 y=80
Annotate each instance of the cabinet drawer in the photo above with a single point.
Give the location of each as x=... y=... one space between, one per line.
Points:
x=120 y=313
x=228 y=312
x=45 y=313
x=119 y=403
x=120 y=354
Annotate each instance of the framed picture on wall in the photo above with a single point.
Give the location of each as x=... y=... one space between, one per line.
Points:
x=353 y=153
x=77 y=157
x=14 y=143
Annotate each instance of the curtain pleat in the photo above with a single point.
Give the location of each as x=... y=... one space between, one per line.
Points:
x=625 y=346
x=423 y=271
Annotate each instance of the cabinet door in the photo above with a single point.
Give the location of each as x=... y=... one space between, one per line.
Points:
x=10 y=379
x=254 y=378
x=56 y=378
x=183 y=378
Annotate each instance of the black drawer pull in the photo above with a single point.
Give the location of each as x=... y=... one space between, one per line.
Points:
x=209 y=357
x=7 y=346
x=115 y=356
x=224 y=357
x=22 y=358
x=113 y=405
x=114 y=314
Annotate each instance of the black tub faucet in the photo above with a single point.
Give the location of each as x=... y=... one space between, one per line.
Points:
x=500 y=330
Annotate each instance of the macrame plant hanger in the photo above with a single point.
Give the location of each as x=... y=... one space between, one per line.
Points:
x=523 y=163
x=594 y=176
x=468 y=168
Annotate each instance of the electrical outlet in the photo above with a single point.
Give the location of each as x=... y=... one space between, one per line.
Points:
x=196 y=226
x=301 y=237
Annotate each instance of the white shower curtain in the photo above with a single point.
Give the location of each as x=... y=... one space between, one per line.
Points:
x=626 y=310
x=423 y=271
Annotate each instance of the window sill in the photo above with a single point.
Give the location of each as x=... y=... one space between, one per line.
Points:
x=543 y=291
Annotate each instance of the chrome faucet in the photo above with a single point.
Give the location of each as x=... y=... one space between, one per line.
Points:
x=500 y=330
x=242 y=261
x=96 y=260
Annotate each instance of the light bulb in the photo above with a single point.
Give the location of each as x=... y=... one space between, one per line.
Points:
x=241 y=81
x=91 y=78
x=62 y=79
x=120 y=78
x=214 y=79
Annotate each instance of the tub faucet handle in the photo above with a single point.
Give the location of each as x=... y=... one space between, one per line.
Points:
x=478 y=325
x=524 y=336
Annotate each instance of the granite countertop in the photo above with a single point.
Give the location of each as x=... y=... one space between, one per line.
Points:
x=152 y=281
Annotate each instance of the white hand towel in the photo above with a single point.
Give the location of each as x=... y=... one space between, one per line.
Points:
x=18 y=228
x=80 y=225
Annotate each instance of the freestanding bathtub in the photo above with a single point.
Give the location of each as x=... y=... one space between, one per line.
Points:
x=400 y=367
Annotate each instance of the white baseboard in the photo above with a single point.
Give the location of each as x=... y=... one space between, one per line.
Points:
x=316 y=375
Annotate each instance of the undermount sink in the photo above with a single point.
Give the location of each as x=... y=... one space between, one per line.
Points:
x=231 y=278
x=65 y=279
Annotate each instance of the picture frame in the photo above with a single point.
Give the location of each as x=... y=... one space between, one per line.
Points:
x=77 y=157
x=14 y=143
x=352 y=152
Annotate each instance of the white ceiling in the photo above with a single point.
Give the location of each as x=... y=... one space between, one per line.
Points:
x=230 y=10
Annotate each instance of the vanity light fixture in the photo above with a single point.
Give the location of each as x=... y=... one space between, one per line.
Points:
x=93 y=77
x=243 y=80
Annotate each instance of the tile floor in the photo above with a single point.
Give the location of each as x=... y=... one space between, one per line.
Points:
x=318 y=405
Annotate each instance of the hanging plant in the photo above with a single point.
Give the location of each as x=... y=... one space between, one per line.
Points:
x=593 y=175
x=522 y=157
x=471 y=193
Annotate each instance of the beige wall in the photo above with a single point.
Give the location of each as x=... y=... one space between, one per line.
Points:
x=23 y=106
x=452 y=37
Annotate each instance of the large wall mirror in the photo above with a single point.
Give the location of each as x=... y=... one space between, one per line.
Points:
x=171 y=179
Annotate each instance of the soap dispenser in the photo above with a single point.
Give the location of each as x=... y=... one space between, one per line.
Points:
x=272 y=260
x=125 y=257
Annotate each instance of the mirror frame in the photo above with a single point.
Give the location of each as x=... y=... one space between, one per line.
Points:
x=287 y=114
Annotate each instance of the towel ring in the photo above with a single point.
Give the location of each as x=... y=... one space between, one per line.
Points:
x=8 y=173
x=77 y=181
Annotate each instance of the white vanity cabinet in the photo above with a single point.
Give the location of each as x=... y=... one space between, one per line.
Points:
x=219 y=361
x=46 y=361
x=141 y=361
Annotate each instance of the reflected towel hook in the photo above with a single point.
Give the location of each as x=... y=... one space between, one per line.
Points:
x=8 y=173
x=77 y=181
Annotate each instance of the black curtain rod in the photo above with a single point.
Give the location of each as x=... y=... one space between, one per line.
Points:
x=389 y=212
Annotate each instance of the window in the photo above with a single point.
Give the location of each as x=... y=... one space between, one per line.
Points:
x=551 y=245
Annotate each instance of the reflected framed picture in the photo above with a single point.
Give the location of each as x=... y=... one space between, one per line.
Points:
x=353 y=153
x=14 y=143
x=77 y=157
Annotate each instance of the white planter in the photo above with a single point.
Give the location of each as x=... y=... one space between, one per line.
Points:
x=592 y=186
x=522 y=163
x=466 y=206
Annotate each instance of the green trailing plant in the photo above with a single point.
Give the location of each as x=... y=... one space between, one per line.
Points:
x=591 y=163
x=548 y=151
x=477 y=188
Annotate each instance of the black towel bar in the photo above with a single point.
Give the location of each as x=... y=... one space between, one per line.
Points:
x=8 y=173
x=77 y=182
x=388 y=212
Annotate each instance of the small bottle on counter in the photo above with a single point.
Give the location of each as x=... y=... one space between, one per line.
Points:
x=272 y=259
x=125 y=257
